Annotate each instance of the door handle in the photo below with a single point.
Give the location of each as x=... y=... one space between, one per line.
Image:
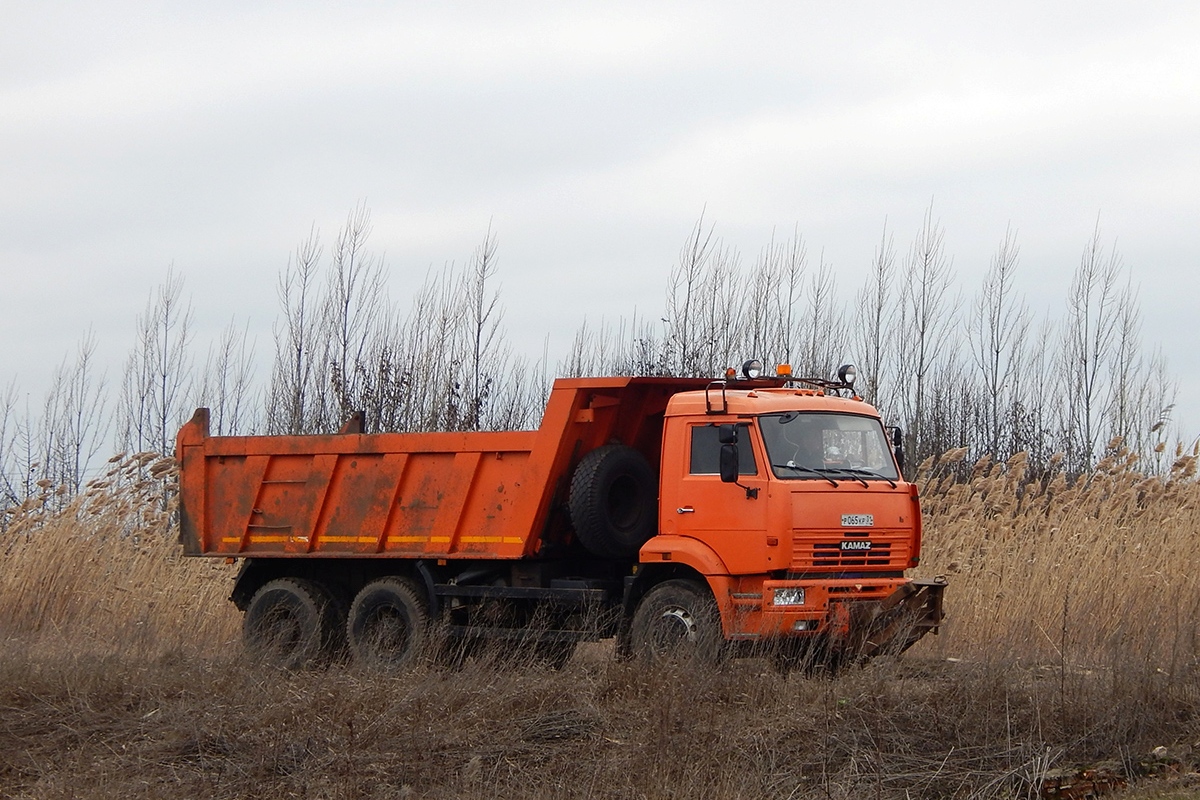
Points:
x=685 y=510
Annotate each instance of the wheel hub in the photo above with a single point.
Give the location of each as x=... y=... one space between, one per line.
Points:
x=677 y=624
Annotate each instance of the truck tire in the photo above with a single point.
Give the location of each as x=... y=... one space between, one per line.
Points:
x=677 y=622
x=291 y=623
x=614 y=501
x=388 y=628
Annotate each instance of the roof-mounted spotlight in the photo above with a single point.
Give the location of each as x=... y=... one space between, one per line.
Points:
x=847 y=373
x=752 y=369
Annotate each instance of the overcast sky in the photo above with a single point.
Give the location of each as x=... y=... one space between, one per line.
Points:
x=212 y=136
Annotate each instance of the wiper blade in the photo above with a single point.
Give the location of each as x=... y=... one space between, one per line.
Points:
x=869 y=473
x=845 y=471
x=802 y=468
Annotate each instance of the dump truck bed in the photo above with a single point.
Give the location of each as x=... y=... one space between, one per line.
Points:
x=419 y=495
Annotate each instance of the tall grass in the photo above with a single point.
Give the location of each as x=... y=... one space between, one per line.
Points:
x=1071 y=639
x=106 y=574
x=1097 y=571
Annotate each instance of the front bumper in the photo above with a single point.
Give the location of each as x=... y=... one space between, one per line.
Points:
x=862 y=616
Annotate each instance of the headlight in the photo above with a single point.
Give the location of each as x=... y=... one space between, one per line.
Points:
x=789 y=597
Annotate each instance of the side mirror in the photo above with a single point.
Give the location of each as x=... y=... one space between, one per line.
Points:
x=898 y=447
x=729 y=461
x=727 y=434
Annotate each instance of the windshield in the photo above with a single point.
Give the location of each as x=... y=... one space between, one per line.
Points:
x=814 y=446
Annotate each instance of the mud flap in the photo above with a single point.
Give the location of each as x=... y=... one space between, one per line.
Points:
x=863 y=630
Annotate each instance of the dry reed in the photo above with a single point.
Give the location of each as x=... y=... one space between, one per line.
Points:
x=106 y=575
x=1098 y=571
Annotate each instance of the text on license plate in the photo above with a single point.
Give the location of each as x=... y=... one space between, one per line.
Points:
x=858 y=520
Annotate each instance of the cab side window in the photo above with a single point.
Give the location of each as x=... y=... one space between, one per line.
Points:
x=706 y=451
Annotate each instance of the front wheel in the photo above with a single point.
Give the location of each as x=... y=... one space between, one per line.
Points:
x=388 y=627
x=677 y=621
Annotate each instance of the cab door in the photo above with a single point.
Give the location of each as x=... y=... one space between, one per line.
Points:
x=696 y=503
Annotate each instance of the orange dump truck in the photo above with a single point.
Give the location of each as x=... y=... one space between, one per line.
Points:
x=684 y=517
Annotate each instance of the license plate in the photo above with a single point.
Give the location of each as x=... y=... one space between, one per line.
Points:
x=858 y=520
x=855 y=546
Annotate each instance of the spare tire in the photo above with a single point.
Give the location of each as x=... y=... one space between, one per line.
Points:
x=614 y=501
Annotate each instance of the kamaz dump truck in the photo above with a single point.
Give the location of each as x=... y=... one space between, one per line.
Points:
x=682 y=517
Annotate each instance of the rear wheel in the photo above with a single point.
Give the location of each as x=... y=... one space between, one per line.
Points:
x=291 y=623
x=389 y=624
x=678 y=621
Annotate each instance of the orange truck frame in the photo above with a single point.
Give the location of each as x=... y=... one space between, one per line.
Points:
x=684 y=517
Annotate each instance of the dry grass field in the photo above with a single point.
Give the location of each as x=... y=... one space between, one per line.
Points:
x=1071 y=643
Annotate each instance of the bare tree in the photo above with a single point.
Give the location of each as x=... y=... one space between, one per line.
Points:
x=1153 y=427
x=354 y=306
x=1088 y=335
x=1142 y=393
x=999 y=326
x=288 y=398
x=723 y=307
x=824 y=340
x=1127 y=369
x=1032 y=413
x=155 y=383
x=29 y=452
x=927 y=316
x=767 y=307
x=793 y=262
x=872 y=335
x=483 y=318
x=10 y=472
x=225 y=384
x=684 y=289
x=79 y=427
x=431 y=347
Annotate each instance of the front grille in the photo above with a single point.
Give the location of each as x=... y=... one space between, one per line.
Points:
x=889 y=549
x=825 y=554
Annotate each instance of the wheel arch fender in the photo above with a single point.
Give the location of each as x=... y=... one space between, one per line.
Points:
x=685 y=550
x=425 y=577
x=669 y=557
x=251 y=577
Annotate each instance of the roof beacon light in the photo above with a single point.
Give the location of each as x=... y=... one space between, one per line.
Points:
x=783 y=371
x=847 y=373
x=752 y=369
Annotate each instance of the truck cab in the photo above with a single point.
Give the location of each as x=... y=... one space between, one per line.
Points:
x=791 y=503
